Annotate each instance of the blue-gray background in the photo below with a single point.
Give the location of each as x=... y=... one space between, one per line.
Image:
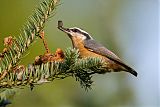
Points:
x=127 y=27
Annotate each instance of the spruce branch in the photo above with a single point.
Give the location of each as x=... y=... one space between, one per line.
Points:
x=17 y=46
x=46 y=67
x=72 y=66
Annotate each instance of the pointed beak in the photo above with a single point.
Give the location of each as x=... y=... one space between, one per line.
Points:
x=60 y=27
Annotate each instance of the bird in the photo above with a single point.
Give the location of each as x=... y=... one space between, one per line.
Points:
x=88 y=47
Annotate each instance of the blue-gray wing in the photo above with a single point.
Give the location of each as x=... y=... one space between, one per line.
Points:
x=93 y=46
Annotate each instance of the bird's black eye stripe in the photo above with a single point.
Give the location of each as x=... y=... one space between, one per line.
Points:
x=75 y=30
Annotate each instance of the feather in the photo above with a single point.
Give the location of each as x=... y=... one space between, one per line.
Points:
x=101 y=50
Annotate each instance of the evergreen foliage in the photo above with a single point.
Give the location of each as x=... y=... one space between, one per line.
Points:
x=29 y=34
x=81 y=69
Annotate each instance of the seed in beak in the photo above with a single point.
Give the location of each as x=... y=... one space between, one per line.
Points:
x=60 y=24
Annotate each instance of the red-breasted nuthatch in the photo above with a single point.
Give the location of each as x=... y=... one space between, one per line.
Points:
x=88 y=47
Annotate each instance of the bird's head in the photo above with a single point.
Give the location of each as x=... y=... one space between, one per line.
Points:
x=74 y=32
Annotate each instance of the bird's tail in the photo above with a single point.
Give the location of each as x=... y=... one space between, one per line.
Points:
x=131 y=70
x=126 y=67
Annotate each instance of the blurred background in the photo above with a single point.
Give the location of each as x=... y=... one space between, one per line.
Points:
x=127 y=27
